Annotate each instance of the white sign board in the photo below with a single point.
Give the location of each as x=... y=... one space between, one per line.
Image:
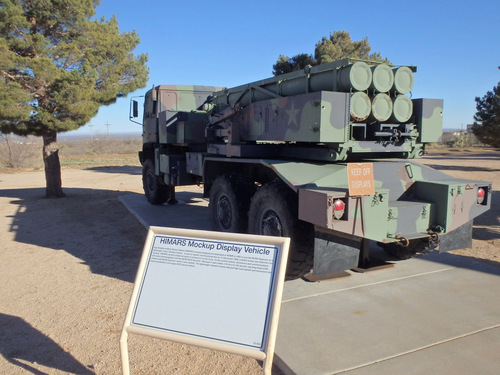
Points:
x=211 y=289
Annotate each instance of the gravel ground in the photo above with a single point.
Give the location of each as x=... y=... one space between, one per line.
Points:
x=68 y=267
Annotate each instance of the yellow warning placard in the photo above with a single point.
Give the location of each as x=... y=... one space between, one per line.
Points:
x=361 y=180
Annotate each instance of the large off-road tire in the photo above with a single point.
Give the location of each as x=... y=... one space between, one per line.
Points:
x=273 y=212
x=229 y=201
x=155 y=191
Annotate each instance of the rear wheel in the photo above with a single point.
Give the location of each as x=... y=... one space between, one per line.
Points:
x=155 y=191
x=229 y=201
x=273 y=212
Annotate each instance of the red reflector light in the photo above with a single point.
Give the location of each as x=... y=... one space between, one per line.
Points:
x=339 y=205
x=338 y=209
x=480 y=195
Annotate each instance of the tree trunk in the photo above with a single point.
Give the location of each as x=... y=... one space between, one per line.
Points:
x=52 y=166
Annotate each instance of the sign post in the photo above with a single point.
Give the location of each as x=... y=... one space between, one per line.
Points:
x=216 y=290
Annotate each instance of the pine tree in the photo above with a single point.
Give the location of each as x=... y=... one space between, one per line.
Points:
x=58 y=65
x=338 y=45
x=487 y=118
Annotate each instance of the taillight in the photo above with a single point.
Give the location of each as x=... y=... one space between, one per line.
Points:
x=338 y=209
x=481 y=194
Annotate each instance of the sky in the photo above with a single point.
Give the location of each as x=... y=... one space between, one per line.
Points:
x=454 y=44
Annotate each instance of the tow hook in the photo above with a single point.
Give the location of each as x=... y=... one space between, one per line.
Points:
x=403 y=241
x=434 y=237
x=433 y=240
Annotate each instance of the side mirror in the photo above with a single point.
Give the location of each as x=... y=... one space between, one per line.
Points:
x=135 y=109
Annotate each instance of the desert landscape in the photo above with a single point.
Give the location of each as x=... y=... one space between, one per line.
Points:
x=68 y=267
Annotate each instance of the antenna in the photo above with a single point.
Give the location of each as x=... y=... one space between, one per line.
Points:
x=91 y=126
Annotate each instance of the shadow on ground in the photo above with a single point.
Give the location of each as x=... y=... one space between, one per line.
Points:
x=120 y=169
x=25 y=344
x=461 y=261
x=464 y=168
x=92 y=225
x=75 y=224
x=464 y=154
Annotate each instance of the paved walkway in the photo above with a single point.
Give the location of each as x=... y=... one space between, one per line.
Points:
x=438 y=314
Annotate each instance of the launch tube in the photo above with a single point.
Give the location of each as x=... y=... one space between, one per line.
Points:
x=403 y=80
x=342 y=75
x=360 y=106
x=381 y=107
x=385 y=85
x=383 y=78
x=402 y=108
x=357 y=77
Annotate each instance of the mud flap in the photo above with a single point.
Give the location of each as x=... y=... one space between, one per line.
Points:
x=334 y=252
x=460 y=238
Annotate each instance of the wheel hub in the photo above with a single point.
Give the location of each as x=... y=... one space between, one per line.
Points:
x=224 y=212
x=271 y=224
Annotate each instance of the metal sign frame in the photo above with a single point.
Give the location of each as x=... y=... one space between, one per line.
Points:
x=235 y=276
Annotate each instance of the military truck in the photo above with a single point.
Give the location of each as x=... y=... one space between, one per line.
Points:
x=322 y=155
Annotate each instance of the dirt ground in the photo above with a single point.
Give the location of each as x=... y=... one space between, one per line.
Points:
x=68 y=267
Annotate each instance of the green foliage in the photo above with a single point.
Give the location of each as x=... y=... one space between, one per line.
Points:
x=287 y=64
x=487 y=118
x=338 y=45
x=58 y=65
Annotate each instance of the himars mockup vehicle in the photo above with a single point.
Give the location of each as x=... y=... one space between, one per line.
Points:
x=322 y=155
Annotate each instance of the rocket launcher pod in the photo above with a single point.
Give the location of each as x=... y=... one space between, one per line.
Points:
x=313 y=155
x=336 y=111
x=343 y=76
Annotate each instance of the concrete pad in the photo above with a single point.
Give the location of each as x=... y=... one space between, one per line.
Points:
x=476 y=353
x=436 y=314
x=190 y=212
x=363 y=320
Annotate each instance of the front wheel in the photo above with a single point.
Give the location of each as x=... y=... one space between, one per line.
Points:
x=155 y=191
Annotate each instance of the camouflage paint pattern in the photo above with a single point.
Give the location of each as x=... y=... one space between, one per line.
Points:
x=429 y=119
x=316 y=116
x=326 y=117
x=410 y=200
x=168 y=101
x=294 y=108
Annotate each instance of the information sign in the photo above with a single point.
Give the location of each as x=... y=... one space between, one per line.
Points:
x=361 y=180
x=211 y=289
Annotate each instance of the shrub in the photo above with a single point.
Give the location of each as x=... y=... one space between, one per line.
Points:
x=18 y=152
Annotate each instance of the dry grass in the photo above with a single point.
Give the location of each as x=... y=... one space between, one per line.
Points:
x=84 y=161
x=102 y=145
x=18 y=153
